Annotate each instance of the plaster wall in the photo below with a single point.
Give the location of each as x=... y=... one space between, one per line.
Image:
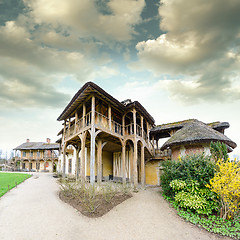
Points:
x=152 y=172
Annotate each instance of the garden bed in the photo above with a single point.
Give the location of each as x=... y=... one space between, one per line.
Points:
x=93 y=200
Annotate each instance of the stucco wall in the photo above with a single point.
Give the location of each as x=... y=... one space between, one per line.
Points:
x=190 y=150
x=152 y=172
x=107 y=160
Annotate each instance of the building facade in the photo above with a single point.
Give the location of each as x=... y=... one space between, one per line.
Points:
x=37 y=156
x=103 y=139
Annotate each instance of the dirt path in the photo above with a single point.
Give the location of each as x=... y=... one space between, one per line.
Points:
x=34 y=211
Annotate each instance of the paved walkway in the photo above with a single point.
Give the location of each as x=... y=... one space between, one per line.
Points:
x=33 y=211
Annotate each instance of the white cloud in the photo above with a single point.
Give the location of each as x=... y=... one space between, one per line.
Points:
x=201 y=39
x=83 y=17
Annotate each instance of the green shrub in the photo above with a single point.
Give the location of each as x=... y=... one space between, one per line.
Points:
x=188 y=195
x=196 y=167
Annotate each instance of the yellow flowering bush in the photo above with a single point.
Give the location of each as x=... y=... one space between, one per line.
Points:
x=226 y=183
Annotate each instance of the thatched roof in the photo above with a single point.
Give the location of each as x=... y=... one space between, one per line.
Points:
x=163 y=130
x=196 y=132
x=89 y=88
x=37 y=146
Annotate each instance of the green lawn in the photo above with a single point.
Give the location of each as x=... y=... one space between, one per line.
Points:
x=11 y=179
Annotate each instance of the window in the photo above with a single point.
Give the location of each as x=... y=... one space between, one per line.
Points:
x=24 y=154
x=31 y=154
x=38 y=154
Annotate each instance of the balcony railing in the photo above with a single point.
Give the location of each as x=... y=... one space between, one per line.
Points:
x=165 y=153
x=36 y=157
x=102 y=121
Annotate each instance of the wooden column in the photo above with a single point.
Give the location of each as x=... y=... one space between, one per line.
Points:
x=84 y=114
x=123 y=125
x=148 y=132
x=77 y=162
x=142 y=126
x=82 y=167
x=142 y=167
x=99 y=161
x=64 y=127
x=109 y=117
x=64 y=162
x=76 y=119
x=69 y=125
x=131 y=164
x=135 y=171
x=134 y=121
x=124 y=163
x=52 y=165
x=92 y=147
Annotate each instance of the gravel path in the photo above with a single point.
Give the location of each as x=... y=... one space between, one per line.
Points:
x=33 y=211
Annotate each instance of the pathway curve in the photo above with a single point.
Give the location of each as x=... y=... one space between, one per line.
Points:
x=34 y=211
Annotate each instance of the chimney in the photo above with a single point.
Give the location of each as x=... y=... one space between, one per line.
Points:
x=48 y=140
x=28 y=140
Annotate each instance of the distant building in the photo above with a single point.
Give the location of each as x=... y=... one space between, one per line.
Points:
x=37 y=156
x=103 y=139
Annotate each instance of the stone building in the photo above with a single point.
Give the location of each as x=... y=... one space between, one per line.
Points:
x=37 y=156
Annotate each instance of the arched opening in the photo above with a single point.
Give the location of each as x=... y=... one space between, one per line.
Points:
x=129 y=160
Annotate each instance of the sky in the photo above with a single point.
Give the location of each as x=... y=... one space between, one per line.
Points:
x=179 y=58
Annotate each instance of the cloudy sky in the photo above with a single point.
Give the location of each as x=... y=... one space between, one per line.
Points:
x=179 y=58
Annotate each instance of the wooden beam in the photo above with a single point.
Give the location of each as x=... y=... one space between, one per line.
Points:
x=92 y=147
x=99 y=161
x=109 y=117
x=124 y=163
x=142 y=167
x=135 y=171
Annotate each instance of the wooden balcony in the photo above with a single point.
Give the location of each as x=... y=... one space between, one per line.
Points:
x=104 y=123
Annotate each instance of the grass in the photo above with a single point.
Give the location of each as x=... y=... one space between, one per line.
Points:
x=10 y=180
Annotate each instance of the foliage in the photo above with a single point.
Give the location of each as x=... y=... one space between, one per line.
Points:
x=226 y=183
x=188 y=195
x=219 y=151
x=11 y=180
x=230 y=228
x=196 y=167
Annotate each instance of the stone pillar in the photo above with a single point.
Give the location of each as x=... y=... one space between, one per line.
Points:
x=124 y=163
x=37 y=165
x=99 y=161
x=92 y=147
x=142 y=167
